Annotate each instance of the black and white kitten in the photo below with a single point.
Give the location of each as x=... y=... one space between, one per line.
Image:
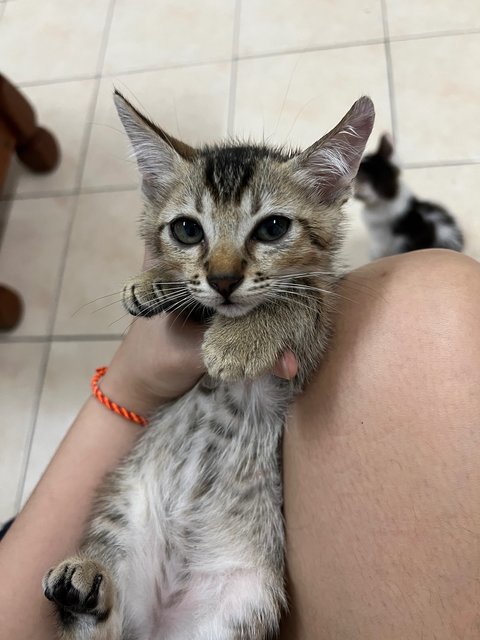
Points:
x=397 y=221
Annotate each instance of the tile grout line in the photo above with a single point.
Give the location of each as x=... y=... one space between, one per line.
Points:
x=74 y=337
x=64 y=193
x=37 y=395
x=390 y=77
x=60 y=80
x=96 y=91
x=268 y=54
x=232 y=94
x=441 y=163
x=63 y=258
x=352 y=44
x=213 y=61
x=126 y=72
x=448 y=33
x=45 y=358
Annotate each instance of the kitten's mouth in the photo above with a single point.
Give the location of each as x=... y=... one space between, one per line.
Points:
x=233 y=309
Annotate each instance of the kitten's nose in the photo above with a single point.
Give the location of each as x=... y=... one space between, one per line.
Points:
x=225 y=284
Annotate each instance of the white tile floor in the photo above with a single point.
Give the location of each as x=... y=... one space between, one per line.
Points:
x=277 y=69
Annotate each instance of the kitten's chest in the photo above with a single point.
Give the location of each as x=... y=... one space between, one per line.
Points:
x=228 y=429
x=206 y=448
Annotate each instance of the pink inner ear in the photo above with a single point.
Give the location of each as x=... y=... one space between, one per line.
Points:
x=330 y=165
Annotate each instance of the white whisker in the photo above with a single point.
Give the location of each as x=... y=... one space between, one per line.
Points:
x=175 y=296
x=287 y=288
x=118 y=319
x=306 y=274
x=181 y=304
x=109 y=295
x=271 y=296
x=189 y=313
x=105 y=306
x=181 y=308
x=306 y=287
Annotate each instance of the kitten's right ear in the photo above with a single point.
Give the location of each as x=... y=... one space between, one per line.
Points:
x=385 y=147
x=159 y=156
x=328 y=167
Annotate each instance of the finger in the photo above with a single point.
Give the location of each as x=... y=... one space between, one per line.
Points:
x=287 y=366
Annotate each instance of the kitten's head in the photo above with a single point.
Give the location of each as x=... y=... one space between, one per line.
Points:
x=233 y=226
x=378 y=175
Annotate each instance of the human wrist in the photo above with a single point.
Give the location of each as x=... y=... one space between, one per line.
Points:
x=123 y=385
x=157 y=361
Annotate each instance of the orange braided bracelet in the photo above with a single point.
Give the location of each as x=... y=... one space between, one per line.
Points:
x=110 y=404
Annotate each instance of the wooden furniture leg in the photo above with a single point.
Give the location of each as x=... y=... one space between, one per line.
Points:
x=11 y=308
x=38 y=150
x=7 y=149
x=35 y=146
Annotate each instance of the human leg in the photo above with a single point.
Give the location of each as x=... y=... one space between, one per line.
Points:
x=382 y=464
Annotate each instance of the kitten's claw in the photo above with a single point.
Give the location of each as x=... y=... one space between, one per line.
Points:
x=77 y=585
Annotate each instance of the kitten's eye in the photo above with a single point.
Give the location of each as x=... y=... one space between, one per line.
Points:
x=187 y=231
x=271 y=228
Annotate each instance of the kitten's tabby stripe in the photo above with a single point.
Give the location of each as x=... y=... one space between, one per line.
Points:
x=316 y=240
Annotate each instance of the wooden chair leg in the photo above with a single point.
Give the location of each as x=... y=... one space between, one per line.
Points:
x=7 y=148
x=38 y=150
x=11 y=308
x=35 y=146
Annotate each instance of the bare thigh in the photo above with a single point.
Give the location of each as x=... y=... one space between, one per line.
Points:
x=382 y=461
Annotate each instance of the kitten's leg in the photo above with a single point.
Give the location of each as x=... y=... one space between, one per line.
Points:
x=84 y=594
x=248 y=346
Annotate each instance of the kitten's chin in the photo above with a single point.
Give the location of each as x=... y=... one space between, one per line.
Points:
x=233 y=310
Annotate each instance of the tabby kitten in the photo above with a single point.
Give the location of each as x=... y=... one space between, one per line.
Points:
x=186 y=541
x=397 y=221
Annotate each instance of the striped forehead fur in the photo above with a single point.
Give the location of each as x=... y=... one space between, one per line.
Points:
x=229 y=168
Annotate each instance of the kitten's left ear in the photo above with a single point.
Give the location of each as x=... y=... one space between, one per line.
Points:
x=159 y=155
x=328 y=167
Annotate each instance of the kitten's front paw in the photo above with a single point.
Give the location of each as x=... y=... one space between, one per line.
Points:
x=80 y=586
x=235 y=359
x=140 y=298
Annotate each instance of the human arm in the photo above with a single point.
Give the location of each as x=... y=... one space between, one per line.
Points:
x=158 y=361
